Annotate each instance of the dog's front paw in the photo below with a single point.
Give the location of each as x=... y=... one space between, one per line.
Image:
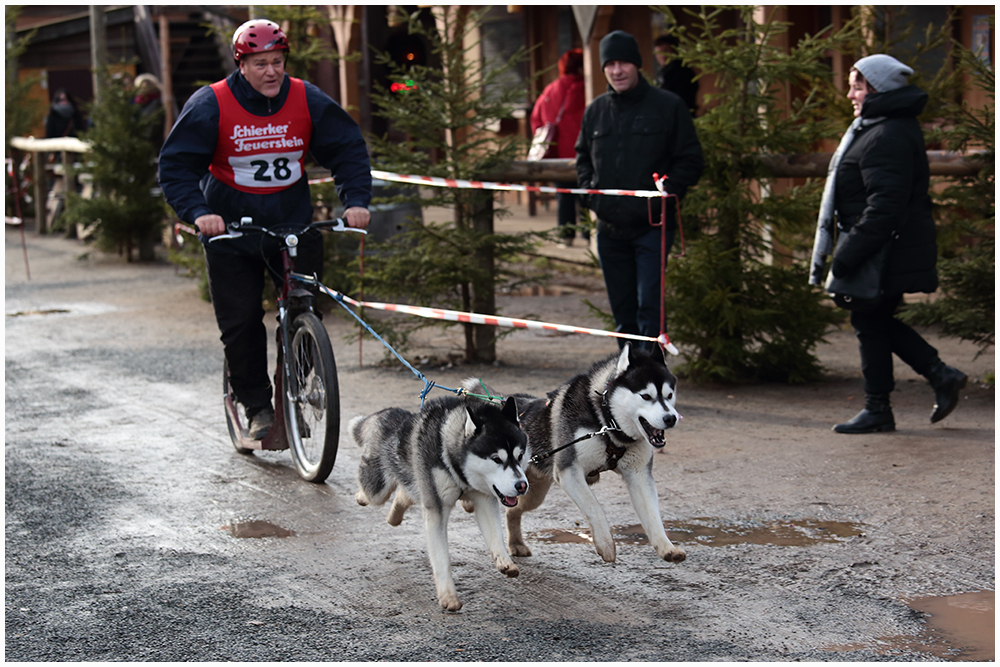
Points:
x=507 y=567
x=672 y=555
x=468 y=506
x=449 y=602
x=361 y=498
x=606 y=549
x=519 y=549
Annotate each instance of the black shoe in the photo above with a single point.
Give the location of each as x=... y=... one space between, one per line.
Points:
x=947 y=382
x=875 y=418
x=261 y=422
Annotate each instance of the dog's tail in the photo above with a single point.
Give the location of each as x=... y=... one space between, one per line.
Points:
x=477 y=387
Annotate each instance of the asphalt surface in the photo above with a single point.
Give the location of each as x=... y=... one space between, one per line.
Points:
x=134 y=531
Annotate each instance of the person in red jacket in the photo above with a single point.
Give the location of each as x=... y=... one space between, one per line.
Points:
x=564 y=95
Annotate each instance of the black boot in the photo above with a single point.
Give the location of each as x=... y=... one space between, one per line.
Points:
x=947 y=382
x=875 y=418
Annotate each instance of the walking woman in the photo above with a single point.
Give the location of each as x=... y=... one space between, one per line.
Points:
x=877 y=188
x=562 y=103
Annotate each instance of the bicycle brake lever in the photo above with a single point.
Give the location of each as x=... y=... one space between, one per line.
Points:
x=233 y=234
x=341 y=226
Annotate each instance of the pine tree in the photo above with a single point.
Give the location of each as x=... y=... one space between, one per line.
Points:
x=739 y=305
x=444 y=117
x=122 y=162
x=966 y=217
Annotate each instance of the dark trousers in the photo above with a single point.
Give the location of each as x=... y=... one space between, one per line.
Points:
x=566 y=212
x=236 y=278
x=880 y=335
x=632 y=277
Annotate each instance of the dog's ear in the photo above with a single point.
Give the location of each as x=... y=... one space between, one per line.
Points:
x=624 y=358
x=509 y=411
x=660 y=355
x=470 y=425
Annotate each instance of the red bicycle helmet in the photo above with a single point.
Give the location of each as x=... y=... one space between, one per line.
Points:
x=258 y=36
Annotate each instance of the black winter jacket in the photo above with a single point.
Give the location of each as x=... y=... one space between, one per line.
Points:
x=882 y=191
x=626 y=138
x=192 y=191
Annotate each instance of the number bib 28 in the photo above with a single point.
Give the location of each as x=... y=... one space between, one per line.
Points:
x=258 y=154
x=267 y=170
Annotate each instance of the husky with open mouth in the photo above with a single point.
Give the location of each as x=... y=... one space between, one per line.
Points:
x=611 y=418
x=454 y=448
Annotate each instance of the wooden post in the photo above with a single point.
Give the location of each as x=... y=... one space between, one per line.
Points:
x=168 y=81
x=38 y=164
x=484 y=292
x=98 y=49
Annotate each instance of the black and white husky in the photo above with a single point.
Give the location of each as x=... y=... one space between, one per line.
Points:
x=616 y=415
x=454 y=448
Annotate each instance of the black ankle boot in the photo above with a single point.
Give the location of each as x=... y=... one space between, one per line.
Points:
x=947 y=382
x=875 y=418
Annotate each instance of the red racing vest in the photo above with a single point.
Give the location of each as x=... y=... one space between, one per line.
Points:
x=261 y=154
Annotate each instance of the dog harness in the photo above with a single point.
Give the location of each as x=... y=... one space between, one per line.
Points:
x=613 y=451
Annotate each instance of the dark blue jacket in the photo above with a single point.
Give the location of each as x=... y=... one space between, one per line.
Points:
x=192 y=191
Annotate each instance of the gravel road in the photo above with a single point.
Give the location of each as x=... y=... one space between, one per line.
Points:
x=135 y=532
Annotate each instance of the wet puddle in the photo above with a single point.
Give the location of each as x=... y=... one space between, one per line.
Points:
x=256 y=529
x=799 y=533
x=959 y=628
x=49 y=311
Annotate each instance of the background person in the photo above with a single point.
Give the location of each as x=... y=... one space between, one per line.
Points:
x=674 y=75
x=148 y=100
x=879 y=191
x=65 y=118
x=567 y=89
x=213 y=170
x=629 y=133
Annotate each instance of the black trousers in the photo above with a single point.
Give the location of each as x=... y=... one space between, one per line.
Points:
x=880 y=335
x=236 y=278
x=567 y=212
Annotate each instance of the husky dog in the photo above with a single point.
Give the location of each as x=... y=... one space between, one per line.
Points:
x=453 y=448
x=616 y=415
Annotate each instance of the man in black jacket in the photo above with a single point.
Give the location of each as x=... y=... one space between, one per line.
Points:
x=628 y=134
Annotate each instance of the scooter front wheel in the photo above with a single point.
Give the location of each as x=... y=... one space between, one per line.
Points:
x=312 y=399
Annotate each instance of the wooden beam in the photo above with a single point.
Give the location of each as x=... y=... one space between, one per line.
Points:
x=805 y=165
x=346 y=26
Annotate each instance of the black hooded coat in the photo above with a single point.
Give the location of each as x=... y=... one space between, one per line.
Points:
x=882 y=194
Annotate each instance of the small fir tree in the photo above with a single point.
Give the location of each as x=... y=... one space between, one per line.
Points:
x=966 y=216
x=122 y=161
x=739 y=305
x=22 y=112
x=445 y=117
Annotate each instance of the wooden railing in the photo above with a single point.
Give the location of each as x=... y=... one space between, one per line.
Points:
x=806 y=165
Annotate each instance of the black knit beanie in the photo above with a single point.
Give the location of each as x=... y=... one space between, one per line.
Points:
x=620 y=45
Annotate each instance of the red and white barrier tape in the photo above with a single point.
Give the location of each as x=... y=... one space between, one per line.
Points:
x=486 y=185
x=489 y=320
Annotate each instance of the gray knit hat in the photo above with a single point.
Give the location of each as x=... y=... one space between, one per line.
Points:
x=619 y=45
x=883 y=72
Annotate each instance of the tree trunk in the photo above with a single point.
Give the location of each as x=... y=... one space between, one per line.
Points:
x=484 y=289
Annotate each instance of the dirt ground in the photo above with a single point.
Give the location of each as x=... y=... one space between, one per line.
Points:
x=802 y=544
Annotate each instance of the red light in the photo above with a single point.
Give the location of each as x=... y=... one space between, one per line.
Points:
x=406 y=86
x=411 y=56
